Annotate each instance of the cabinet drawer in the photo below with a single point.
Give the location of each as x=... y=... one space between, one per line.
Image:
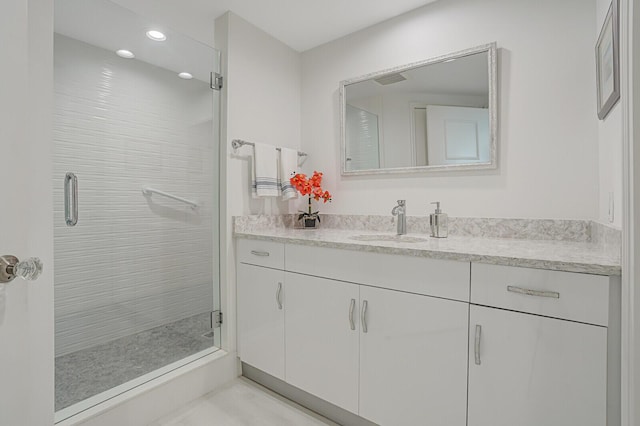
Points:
x=261 y=253
x=566 y=295
x=430 y=277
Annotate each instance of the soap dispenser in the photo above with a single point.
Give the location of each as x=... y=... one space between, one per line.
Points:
x=439 y=222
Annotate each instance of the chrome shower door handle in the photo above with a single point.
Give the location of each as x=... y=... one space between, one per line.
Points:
x=71 y=199
x=476 y=346
x=363 y=316
x=352 y=306
x=278 y=296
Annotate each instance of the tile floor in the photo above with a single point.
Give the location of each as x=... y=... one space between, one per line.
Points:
x=91 y=371
x=242 y=403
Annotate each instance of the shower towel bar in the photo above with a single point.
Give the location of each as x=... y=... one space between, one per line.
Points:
x=150 y=191
x=237 y=143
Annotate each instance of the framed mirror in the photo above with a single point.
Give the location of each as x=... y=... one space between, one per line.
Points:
x=434 y=115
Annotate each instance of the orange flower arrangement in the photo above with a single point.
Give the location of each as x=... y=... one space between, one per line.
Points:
x=313 y=188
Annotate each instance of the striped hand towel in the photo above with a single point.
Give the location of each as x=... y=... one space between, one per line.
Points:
x=264 y=171
x=288 y=167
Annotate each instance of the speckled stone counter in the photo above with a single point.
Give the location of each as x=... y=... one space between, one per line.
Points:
x=587 y=248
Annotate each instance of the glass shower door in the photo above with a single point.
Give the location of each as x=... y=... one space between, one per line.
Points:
x=136 y=206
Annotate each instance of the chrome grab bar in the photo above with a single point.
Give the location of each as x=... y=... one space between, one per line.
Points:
x=530 y=292
x=278 y=293
x=363 y=316
x=476 y=346
x=352 y=306
x=148 y=191
x=70 y=199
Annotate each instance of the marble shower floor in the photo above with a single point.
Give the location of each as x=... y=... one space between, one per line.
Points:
x=88 y=372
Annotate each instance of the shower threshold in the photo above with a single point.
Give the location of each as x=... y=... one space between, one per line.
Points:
x=88 y=372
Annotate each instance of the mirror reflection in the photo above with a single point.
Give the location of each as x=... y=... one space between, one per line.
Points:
x=434 y=115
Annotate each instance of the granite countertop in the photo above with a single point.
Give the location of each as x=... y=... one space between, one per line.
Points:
x=570 y=256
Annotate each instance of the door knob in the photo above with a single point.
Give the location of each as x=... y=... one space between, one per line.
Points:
x=11 y=267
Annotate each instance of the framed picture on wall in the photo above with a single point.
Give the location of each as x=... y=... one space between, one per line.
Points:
x=608 y=62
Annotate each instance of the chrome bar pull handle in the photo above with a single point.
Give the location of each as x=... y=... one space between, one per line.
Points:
x=260 y=253
x=352 y=306
x=278 y=296
x=363 y=316
x=11 y=267
x=71 y=199
x=530 y=292
x=476 y=346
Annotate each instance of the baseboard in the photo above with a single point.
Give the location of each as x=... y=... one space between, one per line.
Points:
x=311 y=402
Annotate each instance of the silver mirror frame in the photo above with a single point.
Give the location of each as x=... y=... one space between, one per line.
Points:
x=491 y=49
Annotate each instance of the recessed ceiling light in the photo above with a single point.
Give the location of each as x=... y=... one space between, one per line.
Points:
x=185 y=75
x=156 y=35
x=127 y=54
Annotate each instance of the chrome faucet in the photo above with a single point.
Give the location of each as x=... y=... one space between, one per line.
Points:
x=400 y=210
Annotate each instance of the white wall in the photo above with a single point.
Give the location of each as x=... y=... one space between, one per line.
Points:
x=132 y=262
x=609 y=147
x=26 y=308
x=548 y=157
x=262 y=99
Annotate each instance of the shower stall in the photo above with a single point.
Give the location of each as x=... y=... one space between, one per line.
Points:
x=136 y=205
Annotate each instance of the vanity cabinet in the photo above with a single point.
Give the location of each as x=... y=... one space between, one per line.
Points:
x=391 y=357
x=260 y=292
x=407 y=340
x=530 y=370
x=322 y=346
x=261 y=318
x=542 y=348
x=412 y=359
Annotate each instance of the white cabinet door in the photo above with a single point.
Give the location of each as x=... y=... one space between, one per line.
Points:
x=322 y=345
x=261 y=318
x=413 y=359
x=530 y=370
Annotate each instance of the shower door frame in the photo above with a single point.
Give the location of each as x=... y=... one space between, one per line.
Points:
x=104 y=401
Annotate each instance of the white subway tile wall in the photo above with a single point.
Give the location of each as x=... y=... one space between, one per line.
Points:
x=132 y=262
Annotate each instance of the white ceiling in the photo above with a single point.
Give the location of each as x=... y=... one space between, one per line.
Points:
x=104 y=24
x=121 y=24
x=301 y=24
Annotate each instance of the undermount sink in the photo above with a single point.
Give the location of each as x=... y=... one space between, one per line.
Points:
x=388 y=237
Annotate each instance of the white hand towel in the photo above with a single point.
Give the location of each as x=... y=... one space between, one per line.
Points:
x=264 y=171
x=288 y=167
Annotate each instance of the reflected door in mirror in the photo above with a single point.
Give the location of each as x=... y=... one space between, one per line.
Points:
x=454 y=135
